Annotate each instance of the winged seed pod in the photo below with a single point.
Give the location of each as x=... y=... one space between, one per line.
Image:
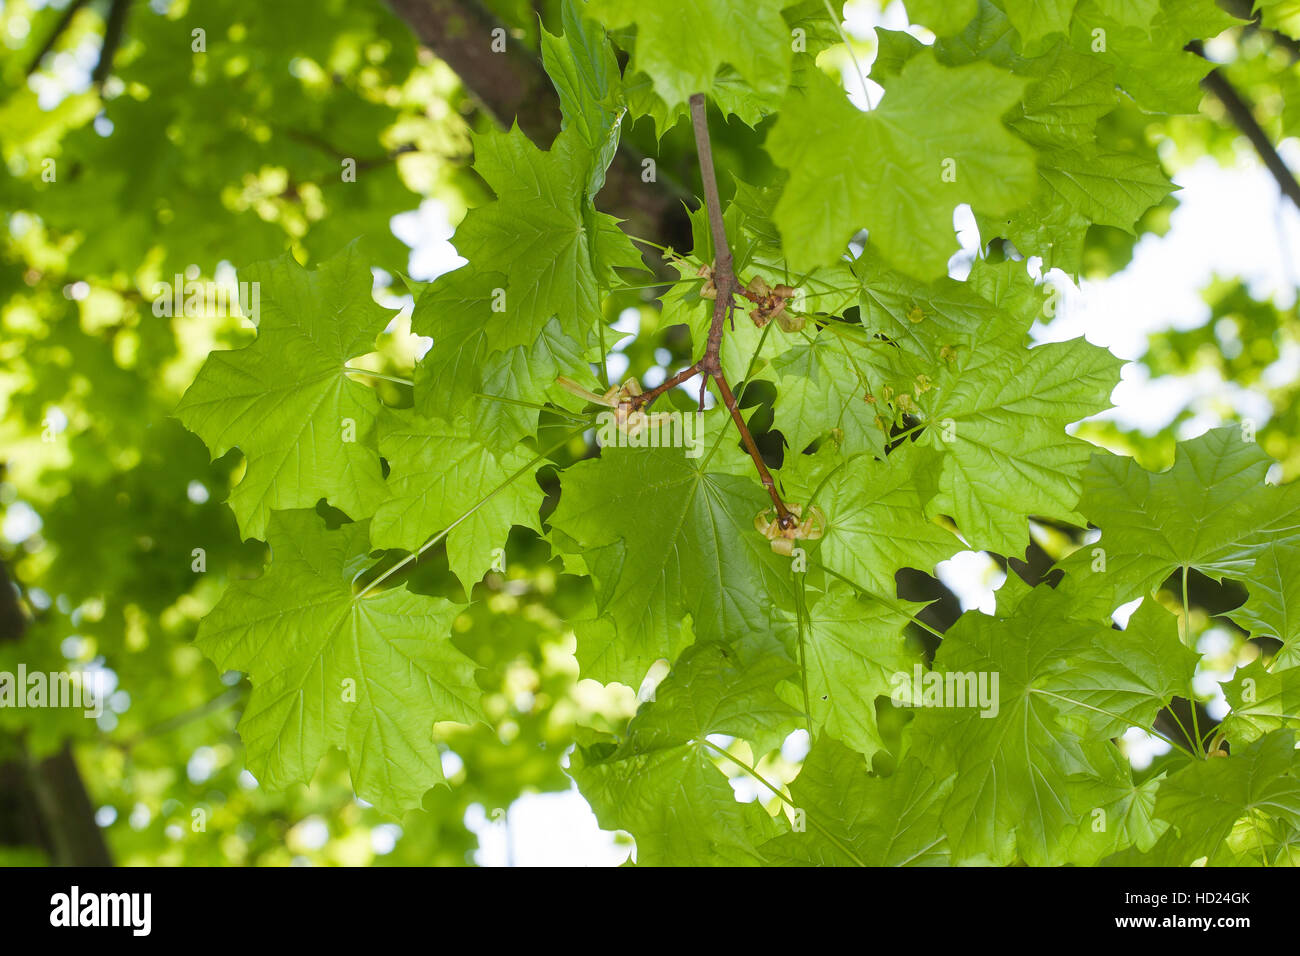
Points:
x=783 y=539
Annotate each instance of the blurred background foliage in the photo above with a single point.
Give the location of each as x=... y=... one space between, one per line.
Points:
x=138 y=149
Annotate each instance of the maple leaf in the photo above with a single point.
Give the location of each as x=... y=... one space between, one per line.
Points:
x=1126 y=677
x=820 y=389
x=852 y=649
x=1122 y=815
x=1262 y=701
x=1273 y=608
x=666 y=535
x=661 y=783
x=555 y=250
x=1205 y=799
x=438 y=472
x=1211 y=511
x=1151 y=62
x=1021 y=772
x=852 y=818
x=1035 y=19
x=306 y=430
x=1001 y=428
x=464 y=376
x=582 y=66
x=371 y=674
x=1081 y=185
x=841 y=161
x=933 y=320
x=681 y=44
x=875 y=518
x=941 y=16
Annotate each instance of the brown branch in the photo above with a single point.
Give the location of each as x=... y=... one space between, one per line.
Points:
x=724 y=276
x=724 y=280
x=114 y=30
x=783 y=516
x=43 y=801
x=645 y=399
x=59 y=29
x=1243 y=117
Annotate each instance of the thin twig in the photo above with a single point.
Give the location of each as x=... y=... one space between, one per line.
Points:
x=726 y=284
x=1243 y=117
x=114 y=30
x=724 y=276
x=59 y=29
x=784 y=517
x=685 y=375
x=223 y=700
x=844 y=38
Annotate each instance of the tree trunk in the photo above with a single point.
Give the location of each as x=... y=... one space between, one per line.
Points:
x=44 y=805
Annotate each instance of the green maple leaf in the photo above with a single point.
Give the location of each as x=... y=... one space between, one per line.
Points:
x=933 y=320
x=1012 y=292
x=941 y=16
x=1069 y=92
x=852 y=818
x=808 y=26
x=666 y=535
x=306 y=430
x=555 y=250
x=582 y=66
x=1126 y=677
x=995 y=410
x=1262 y=701
x=442 y=474
x=661 y=783
x=1280 y=15
x=681 y=44
x=1122 y=815
x=875 y=520
x=1273 y=608
x=369 y=674
x=1001 y=429
x=852 y=648
x=1255 y=786
x=1035 y=19
x=841 y=161
x=1022 y=775
x=1132 y=13
x=1081 y=185
x=821 y=387
x=1112 y=189
x=513 y=383
x=462 y=313
x=1210 y=511
x=1151 y=61
x=463 y=376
